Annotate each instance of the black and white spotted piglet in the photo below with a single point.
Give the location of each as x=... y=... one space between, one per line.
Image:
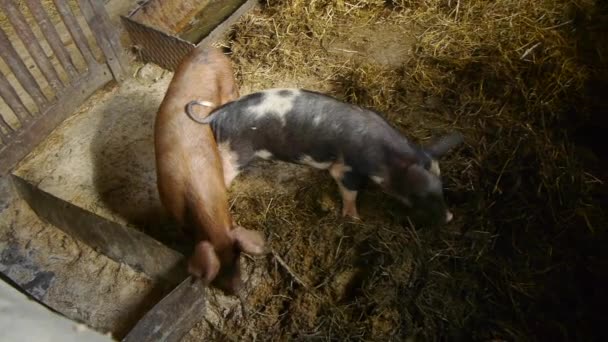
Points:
x=353 y=143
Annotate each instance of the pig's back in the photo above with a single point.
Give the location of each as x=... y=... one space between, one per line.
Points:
x=294 y=123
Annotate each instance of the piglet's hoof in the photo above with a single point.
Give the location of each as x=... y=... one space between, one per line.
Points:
x=350 y=214
x=354 y=218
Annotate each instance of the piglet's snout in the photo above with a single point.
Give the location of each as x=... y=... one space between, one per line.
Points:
x=448 y=216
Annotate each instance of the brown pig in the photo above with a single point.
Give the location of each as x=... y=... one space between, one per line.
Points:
x=190 y=174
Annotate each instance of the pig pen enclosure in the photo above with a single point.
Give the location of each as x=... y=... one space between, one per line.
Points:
x=524 y=258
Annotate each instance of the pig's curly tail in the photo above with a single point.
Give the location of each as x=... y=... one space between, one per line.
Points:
x=190 y=112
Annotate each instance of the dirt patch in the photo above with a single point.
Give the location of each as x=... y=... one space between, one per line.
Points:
x=381 y=43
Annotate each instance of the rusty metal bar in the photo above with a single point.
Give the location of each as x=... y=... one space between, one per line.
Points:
x=95 y=23
x=8 y=93
x=12 y=59
x=31 y=43
x=75 y=31
x=52 y=37
x=111 y=34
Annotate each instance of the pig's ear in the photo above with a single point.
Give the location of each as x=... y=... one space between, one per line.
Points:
x=204 y=263
x=441 y=146
x=421 y=181
x=249 y=241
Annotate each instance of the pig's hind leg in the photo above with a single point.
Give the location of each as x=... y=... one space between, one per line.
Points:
x=233 y=160
x=349 y=183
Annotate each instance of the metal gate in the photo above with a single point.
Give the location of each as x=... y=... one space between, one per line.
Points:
x=53 y=56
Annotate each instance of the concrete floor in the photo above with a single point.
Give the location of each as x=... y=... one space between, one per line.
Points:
x=101 y=159
x=57 y=270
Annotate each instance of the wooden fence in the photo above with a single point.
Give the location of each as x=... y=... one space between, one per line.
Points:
x=55 y=55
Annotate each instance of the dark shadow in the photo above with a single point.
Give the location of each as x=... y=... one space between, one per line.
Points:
x=575 y=296
x=125 y=179
x=588 y=120
x=124 y=167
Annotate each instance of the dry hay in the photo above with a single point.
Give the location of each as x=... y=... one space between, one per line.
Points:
x=528 y=228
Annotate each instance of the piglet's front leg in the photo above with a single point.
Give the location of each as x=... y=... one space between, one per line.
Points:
x=348 y=183
x=349 y=202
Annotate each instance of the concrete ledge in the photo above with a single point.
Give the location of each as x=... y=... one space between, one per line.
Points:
x=24 y=320
x=119 y=243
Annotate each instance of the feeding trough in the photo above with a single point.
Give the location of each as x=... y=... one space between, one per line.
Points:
x=164 y=31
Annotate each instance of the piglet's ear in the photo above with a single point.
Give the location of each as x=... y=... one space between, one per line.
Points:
x=204 y=263
x=249 y=241
x=439 y=147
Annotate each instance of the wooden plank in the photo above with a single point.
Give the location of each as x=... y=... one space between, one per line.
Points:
x=221 y=29
x=52 y=37
x=23 y=75
x=4 y=139
x=36 y=130
x=169 y=16
x=8 y=93
x=120 y=243
x=173 y=317
x=95 y=23
x=75 y=31
x=112 y=35
x=215 y=13
x=31 y=43
x=167 y=50
x=7 y=127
